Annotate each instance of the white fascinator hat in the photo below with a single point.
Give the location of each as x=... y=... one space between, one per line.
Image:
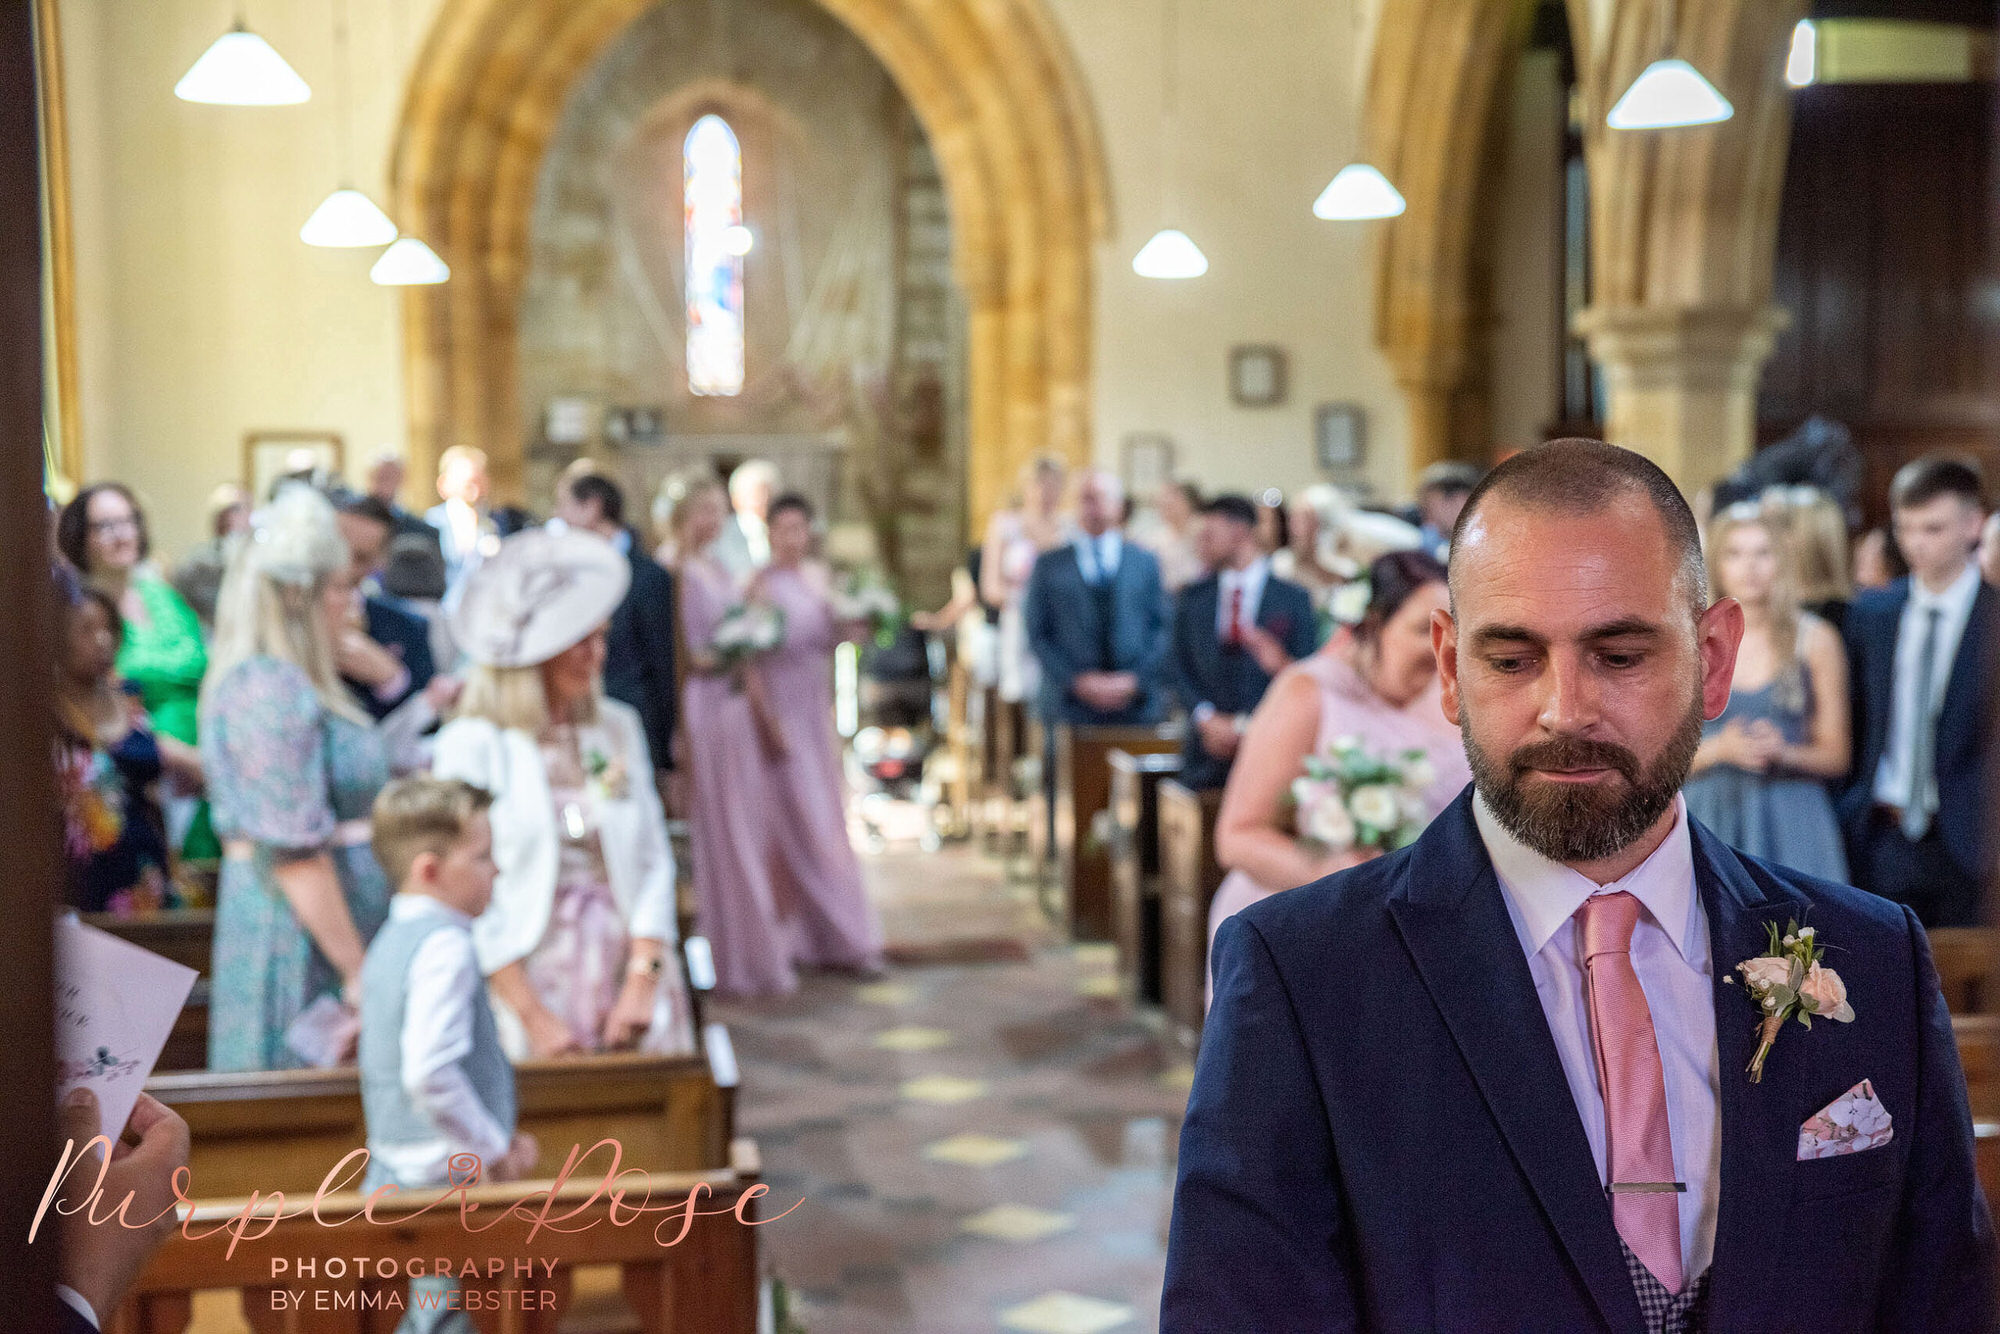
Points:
x=541 y=593
x=1350 y=538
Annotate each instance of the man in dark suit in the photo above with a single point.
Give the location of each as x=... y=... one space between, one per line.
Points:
x=1233 y=631
x=385 y=656
x=1097 y=618
x=639 y=647
x=1915 y=807
x=1498 y=1080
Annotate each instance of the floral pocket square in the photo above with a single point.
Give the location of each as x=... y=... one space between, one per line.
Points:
x=1854 y=1121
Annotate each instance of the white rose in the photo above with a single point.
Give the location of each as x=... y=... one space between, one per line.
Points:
x=1764 y=973
x=1349 y=603
x=1419 y=774
x=1322 y=816
x=1376 y=805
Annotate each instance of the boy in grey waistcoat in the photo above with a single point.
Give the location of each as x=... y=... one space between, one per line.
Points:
x=435 y=1084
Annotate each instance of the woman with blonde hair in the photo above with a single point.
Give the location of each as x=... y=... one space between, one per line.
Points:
x=1816 y=531
x=1760 y=775
x=578 y=944
x=293 y=767
x=1015 y=539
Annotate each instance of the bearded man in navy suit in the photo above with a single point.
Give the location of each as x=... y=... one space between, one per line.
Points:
x=1498 y=1081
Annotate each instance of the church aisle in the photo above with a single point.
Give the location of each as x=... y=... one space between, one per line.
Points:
x=981 y=1144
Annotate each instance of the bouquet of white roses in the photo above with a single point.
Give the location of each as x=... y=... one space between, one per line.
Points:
x=748 y=629
x=867 y=596
x=1351 y=798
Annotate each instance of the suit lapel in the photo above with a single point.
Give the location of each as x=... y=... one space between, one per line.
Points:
x=1453 y=920
x=1760 y=1122
x=1204 y=599
x=1966 y=676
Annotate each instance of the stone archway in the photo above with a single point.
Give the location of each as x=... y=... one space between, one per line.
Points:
x=1684 y=222
x=1007 y=117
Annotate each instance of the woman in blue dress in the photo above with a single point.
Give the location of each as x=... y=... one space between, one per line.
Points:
x=1761 y=774
x=293 y=768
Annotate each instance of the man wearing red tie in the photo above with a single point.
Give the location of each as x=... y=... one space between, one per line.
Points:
x=1233 y=631
x=1540 y=1070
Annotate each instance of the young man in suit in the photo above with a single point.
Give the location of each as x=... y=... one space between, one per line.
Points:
x=639 y=644
x=1498 y=1080
x=1233 y=631
x=466 y=534
x=1915 y=807
x=1097 y=618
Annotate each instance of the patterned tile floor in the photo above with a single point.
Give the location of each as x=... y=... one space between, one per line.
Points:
x=981 y=1146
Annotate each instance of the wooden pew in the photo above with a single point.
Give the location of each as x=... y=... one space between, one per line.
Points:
x=1968 y=965
x=1978 y=1038
x=284 y=1129
x=1189 y=877
x=185 y=935
x=1082 y=792
x=1135 y=867
x=705 y=1284
x=1003 y=740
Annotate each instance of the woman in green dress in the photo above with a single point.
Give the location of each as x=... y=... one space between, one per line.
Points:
x=103 y=534
x=293 y=768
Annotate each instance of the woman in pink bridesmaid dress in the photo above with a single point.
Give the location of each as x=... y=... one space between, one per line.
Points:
x=730 y=811
x=1376 y=681
x=835 y=925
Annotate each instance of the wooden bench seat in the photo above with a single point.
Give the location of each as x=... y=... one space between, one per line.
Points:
x=1135 y=867
x=1189 y=877
x=285 y=1129
x=1082 y=793
x=1968 y=965
x=705 y=1284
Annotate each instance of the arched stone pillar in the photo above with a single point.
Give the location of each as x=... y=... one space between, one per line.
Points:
x=1006 y=115
x=1438 y=70
x=1683 y=230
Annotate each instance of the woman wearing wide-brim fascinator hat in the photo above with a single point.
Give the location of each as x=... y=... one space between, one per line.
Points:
x=542 y=593
x=578 y=944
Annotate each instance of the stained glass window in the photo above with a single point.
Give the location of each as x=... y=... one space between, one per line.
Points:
x=716 y=236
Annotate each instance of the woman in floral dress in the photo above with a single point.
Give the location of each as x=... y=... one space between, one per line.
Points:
x=107 y=763
x=293 y=768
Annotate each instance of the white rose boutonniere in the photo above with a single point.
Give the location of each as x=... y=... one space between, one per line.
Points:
x=1788 y=980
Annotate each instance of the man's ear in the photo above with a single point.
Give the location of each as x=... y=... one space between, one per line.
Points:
x=1444 y=643
x=1719 y=633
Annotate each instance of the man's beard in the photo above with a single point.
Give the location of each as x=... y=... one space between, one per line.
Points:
x=1582 y=822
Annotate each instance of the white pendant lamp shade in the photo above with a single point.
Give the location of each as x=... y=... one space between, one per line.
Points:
x=242 y=70
x=1358 y=192
x=409 y=263
x=1666 y=95
x=347 y=218
x=1170 y=254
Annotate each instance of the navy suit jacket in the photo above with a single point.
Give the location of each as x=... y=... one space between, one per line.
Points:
x=1873 y=623
x=408 y=636
x=1381 y=1137
x=639 y=653
x=1065 y=634
x=1206 y=671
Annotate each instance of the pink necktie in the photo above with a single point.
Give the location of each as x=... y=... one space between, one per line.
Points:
x=1639 y=1147
x=1235 y=635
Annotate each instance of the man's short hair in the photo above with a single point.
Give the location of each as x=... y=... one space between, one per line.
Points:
x=791 y=500
x=1920 y=481
x=1449 y=478
x=1235 y=508
x=607 y=494
x=1577 y=477
x=422 y=814
x=361 y=505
